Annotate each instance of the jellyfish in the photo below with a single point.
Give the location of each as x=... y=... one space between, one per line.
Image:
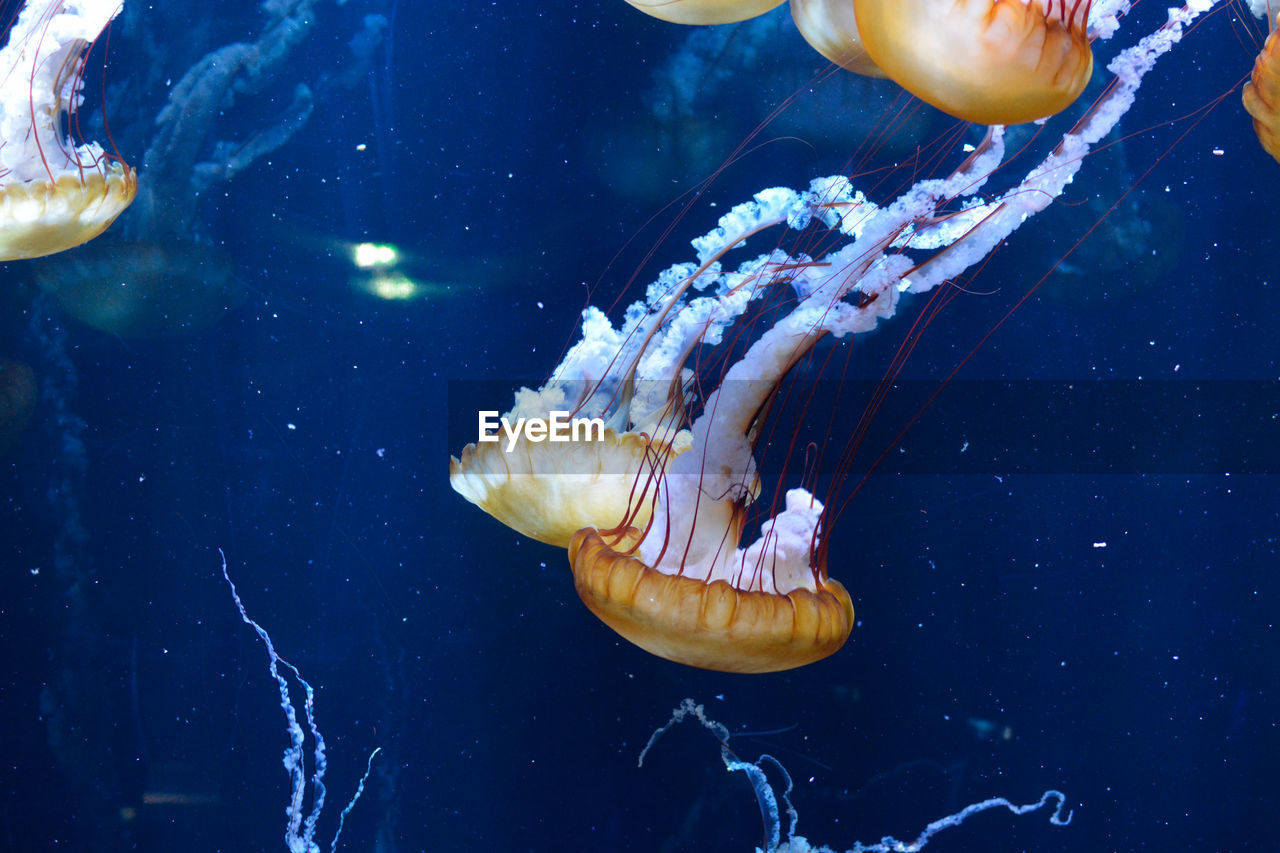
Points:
x=686 y=381
x=704 y=11
x=1262 y=92
x=153 y=288
x=831 y=28
x=53 y=194
x=985 y=61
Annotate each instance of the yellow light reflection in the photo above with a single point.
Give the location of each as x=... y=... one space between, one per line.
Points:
x=370 y=255
x=394 y=286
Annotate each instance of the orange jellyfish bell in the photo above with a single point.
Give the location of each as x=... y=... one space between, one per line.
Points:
x=830 y=28
x=984 y=61
x=762 y=610
x=53 y=194
x=704 y=11
x=1262 y=93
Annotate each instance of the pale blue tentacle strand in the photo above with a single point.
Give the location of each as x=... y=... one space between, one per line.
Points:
x=299 y=835
x=768 y=800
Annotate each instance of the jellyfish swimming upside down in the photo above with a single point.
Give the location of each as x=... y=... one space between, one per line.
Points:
x=652 y=535
x=652 y=510
x=54 y=194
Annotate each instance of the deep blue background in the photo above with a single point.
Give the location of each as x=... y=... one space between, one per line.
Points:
x=509 y=152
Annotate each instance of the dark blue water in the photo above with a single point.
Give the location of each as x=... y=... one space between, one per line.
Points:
x=264 y=403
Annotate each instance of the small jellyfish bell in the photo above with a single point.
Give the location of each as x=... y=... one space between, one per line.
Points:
x=54 y=194
x=704 y=11
x=831 y=28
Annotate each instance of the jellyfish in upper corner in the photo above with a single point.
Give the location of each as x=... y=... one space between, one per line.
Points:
x=984 y=61
x=1262 y=92
x=989 y=62
x=54 y=194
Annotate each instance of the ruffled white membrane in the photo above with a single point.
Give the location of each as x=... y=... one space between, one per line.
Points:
x=53 y=193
